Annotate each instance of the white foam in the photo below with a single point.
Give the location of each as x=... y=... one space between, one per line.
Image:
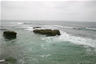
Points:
x=69 y=27
x=29 y=28
x=60 y=26
x=2 y=60
x=20 y=22
x=74 y=39
x=91 y=28
x=50 y=27
x=57 y=26
x=43 y=46
x=45 y=55
x=47 y=27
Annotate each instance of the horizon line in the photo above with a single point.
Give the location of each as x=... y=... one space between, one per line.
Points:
x=56 y=20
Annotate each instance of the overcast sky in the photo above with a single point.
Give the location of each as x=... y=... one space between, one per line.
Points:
x=49 y=10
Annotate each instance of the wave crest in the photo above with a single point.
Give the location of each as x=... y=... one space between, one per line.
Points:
x=73 y=39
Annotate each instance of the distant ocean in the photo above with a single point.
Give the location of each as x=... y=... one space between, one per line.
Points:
x=75 y=45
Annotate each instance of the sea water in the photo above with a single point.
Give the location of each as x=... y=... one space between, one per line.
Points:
x=75 y=45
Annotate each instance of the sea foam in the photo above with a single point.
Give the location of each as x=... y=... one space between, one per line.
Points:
x=20 y=23
x=29 y=28
x=73 y=39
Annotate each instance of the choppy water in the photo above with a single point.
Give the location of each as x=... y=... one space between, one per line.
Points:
x=75 y=45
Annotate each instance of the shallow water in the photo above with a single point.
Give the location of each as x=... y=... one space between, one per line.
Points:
x=73 y=46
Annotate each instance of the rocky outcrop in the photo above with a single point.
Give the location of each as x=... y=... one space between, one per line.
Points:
x=9 y=34
x=47 y=32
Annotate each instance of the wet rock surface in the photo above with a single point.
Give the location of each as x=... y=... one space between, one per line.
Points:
x=9 y=34
x=47 y=32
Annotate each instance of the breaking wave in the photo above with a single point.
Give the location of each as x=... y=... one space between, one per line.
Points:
x=58 y=26
x=85 y=28
x=29 y=28
x=20 y=23
x=73 y=39
x=65 y=36
x=69 y=27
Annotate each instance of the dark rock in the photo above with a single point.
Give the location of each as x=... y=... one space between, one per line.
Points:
x=10 y=59
x=47 y=32
x=36 y=27
x=53 y=44
x=9 y=34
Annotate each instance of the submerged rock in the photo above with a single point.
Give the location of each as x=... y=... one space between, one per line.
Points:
x=10 y=59
x=9 y=34
x=47 y=32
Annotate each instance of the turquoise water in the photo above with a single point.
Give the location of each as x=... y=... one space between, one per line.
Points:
x=73 y=46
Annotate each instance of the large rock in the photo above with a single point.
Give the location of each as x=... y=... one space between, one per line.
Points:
x=9 y=34
x=47 y=32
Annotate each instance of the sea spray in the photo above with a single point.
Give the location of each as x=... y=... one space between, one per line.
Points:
x=74 y=39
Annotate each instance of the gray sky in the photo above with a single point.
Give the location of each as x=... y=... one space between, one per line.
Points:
x=49 y=10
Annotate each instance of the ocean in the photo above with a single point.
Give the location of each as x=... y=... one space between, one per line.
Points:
x=75 y=45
